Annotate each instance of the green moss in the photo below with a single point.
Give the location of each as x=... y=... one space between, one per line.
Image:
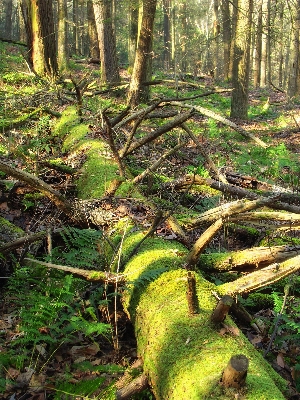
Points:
x=9 y=231
x=68 y=120
x=279 y=241
x=184 y=356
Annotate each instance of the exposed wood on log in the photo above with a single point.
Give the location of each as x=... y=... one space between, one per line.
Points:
x=223 y=120
x=233 y=191
x=222 y=309
x=262 y=278
x=58 y=199
x=253 y=258
x=235 y=373
x=201 y=243
x=191 y=294
x=228 y=209
x=136 y=386
x=89 y=275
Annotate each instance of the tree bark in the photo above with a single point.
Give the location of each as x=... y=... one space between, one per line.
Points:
x=142 y=64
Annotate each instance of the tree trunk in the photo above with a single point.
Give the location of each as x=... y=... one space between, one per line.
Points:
x=293 y=84
x=264 y=44
x=167 y=35
x=94 y=51
x=241 y=61
x=257 y=45
x=62 y=36
x=226 y=26
x=142 y=64
x=38 y=18
x=133 y=31
x=107 y=42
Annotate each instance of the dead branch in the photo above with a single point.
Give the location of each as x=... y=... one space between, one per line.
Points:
x=89 y=275
x=26 y=240
x=211 y=166
x=253 y=258
x=227 y=210
x=201 y=243
x=58 y=199
x=112 y=145
x=232 y=190
x=262 y=278
x=137 y=123
x=158 y=132
x=157 y=163
x=223 y=120
x=269 y=218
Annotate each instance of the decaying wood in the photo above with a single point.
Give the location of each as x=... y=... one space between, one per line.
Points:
x=191 y=294
x=177 y=121
x=136 y=386
x=222 y=309
x=253 y=258
x=229 y=209
x=262 y=278
x=89 y=275
x=201 y=243
x=268 y=218
x=157 y=163
x=235 y=373
x=58 y=199
x=223 y=120
x=26 y=240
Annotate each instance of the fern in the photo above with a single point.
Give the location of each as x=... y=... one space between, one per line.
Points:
x=81 y=248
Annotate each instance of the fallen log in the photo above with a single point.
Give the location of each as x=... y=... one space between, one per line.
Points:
x=256 y=257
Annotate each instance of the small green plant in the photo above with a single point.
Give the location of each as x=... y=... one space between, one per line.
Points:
x=80 y=248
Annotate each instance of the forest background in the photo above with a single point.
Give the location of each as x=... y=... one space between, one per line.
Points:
x=138 y=140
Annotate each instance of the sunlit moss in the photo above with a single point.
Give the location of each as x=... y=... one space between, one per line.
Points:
x=184 y=356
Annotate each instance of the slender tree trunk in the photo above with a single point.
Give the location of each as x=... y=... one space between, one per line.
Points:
x=233 y=35
x=107 y=42
x=226 y=27
x=94 y=51
x=293 y=83
x=133 y=31
x=62 y=36
x=257 y=45
x=264 y=44
x=281 y=46
x=216 y=33
x=8 y=19
x=75 y=27
x=241 y=61
x=167 y=34
x=142 y=64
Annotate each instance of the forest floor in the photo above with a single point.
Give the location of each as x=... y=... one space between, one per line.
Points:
x=88 y=366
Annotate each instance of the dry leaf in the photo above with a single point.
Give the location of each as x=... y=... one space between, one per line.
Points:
x=280 y=360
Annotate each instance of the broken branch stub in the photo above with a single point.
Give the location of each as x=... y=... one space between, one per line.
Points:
x=222 y=309
x=235 y=373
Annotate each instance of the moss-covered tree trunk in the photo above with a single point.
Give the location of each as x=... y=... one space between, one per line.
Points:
x=183 y=354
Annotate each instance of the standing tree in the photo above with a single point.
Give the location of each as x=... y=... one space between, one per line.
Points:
x=142 y=64
x=294 y=79
x=241 y=60
x=94 y=51
x=107 y=42
x=38 y=19
x=226 y=32
x=62 y=35
x=133 y=30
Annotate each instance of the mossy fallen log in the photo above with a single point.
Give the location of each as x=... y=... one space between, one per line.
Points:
x=184 y=356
